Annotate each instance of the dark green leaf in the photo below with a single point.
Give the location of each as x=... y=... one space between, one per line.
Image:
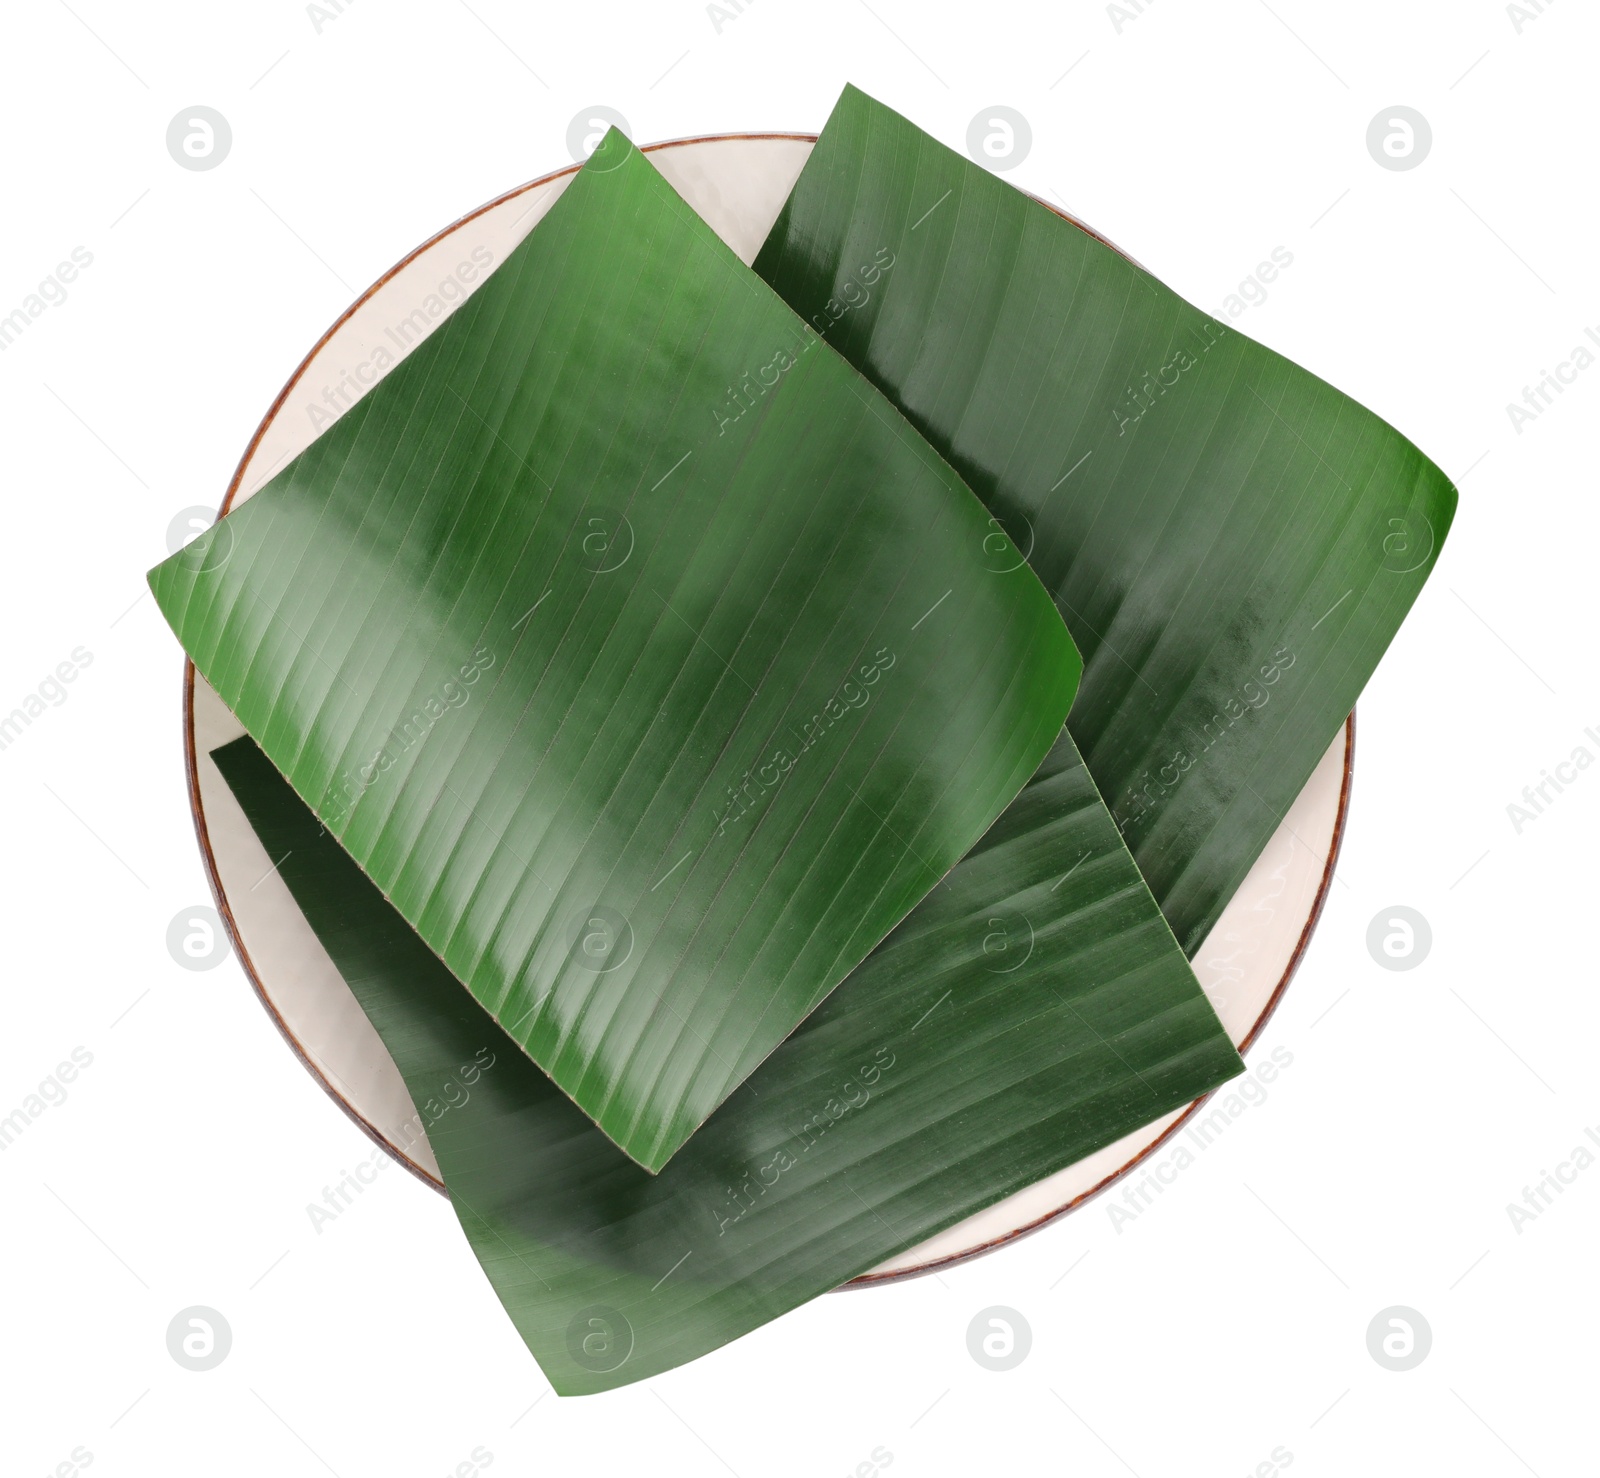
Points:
x=1233 y=543
x=1032 y=1009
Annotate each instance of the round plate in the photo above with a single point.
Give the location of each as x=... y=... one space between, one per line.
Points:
x=737 y=183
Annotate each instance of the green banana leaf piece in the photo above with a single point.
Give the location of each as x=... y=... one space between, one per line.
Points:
x=638 y=651
x=1232 y=542
x=1025 y=1014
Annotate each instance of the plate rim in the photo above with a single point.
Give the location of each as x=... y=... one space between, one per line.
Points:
x=247 y=964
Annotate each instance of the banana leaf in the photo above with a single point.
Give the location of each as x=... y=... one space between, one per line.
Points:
x=1232 y=542
x=638 y=651
x=1025 y=1014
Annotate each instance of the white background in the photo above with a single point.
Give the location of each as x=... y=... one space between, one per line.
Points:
x=1225 y=1321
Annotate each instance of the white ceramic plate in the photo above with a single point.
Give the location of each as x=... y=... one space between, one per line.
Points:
x=738 y=184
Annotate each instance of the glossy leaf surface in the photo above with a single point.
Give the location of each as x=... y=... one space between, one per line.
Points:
x=638 y=651
x=1232 y=542
x=1028 y=1012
